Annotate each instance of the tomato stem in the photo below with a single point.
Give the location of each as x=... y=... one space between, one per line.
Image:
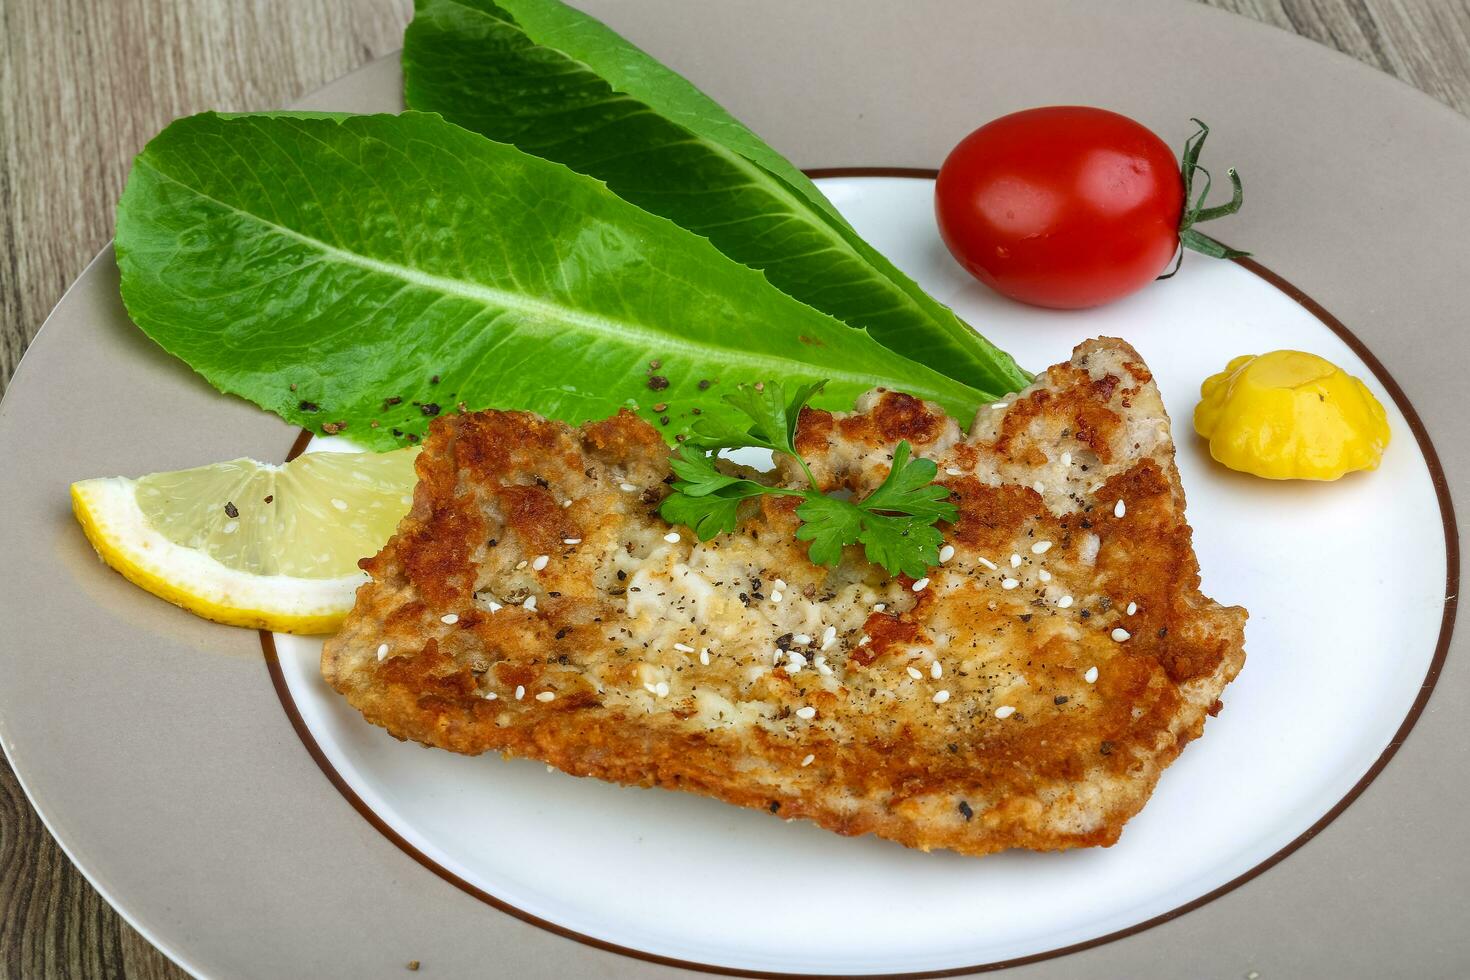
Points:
x=1194 y=207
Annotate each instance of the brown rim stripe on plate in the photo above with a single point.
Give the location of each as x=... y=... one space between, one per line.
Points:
x=1431 y=676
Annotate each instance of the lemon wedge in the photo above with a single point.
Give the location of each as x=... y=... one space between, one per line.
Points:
x=248 y=543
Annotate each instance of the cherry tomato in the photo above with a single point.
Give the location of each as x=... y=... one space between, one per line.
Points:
x=1063 y=206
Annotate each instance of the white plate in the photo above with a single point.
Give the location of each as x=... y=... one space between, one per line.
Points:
x=1344 y=583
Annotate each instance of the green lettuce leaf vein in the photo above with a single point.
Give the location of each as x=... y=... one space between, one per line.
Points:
x=374 y=271
x=556 y=83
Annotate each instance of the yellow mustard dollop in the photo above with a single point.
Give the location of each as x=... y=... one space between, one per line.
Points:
x=1289 y=415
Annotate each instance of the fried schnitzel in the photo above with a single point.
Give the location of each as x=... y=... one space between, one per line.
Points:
x=1028 y=693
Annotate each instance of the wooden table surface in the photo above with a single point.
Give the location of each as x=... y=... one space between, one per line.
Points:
x=83 y=85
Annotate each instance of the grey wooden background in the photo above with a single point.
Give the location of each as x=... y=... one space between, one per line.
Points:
x=84 y=83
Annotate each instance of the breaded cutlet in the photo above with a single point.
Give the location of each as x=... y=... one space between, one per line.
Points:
x=1028 y=693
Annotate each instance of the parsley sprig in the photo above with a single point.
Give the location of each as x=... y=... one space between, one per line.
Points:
x=894 y=523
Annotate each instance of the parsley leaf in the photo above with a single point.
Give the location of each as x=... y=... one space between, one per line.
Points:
x=706 y=500
x=910 y=489
x=772 y=415
x=901 y=544
x=894 y=524
x=710 y=515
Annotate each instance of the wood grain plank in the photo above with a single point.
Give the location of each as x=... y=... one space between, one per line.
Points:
x=83 y=85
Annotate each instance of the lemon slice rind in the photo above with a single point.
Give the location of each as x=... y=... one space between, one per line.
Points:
x=107 y=508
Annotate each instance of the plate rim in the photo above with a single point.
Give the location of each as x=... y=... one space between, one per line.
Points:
x=1249 y=931
x=1443 y=498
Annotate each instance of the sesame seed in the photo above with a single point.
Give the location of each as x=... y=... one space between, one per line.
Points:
x=779 y=583
x=571 y=540
x=776 y=655
x=936 y=670
x=650 y=688
x=879 y=606
x=521 y=564
x=1044 y=575
x=808 y=761
x=1009 y=584
x=1119 y=509
x=540 y=562
x=921 y=585
x=914 y=673
x=1065 y=602
x=941 y=696
x=952 y=471
x=1120 y=634
x=566 y=503
x=546 y=696
x=530 y=603
x=490 y=695
x=626 y=487
x=1132 y=608
x=1091 y=675
x=865 y=640
x=339 y=504
x=661 y=689
x=801 y=639
x=1066 y=459
x=1015 y=561
x=807 y=713
x=704 y=656
x=449 y=619
x=683 y=648
x=1041 y=547
x=829 y=637
x=231 y=527
x=382 y=650
x=998 y=406
x=520 y=691
x=776 y=596
x=986 y=562
x=946 y=553
x=796 y=662
x=672 y=537
x=1039 y=487
x=1005 y=711
x=822 y=667
x=493 y=606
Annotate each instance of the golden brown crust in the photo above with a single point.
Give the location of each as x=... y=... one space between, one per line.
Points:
x=698 y=667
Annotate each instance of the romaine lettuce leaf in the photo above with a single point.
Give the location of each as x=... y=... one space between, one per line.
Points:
x=382 y=269
x=556 y=83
